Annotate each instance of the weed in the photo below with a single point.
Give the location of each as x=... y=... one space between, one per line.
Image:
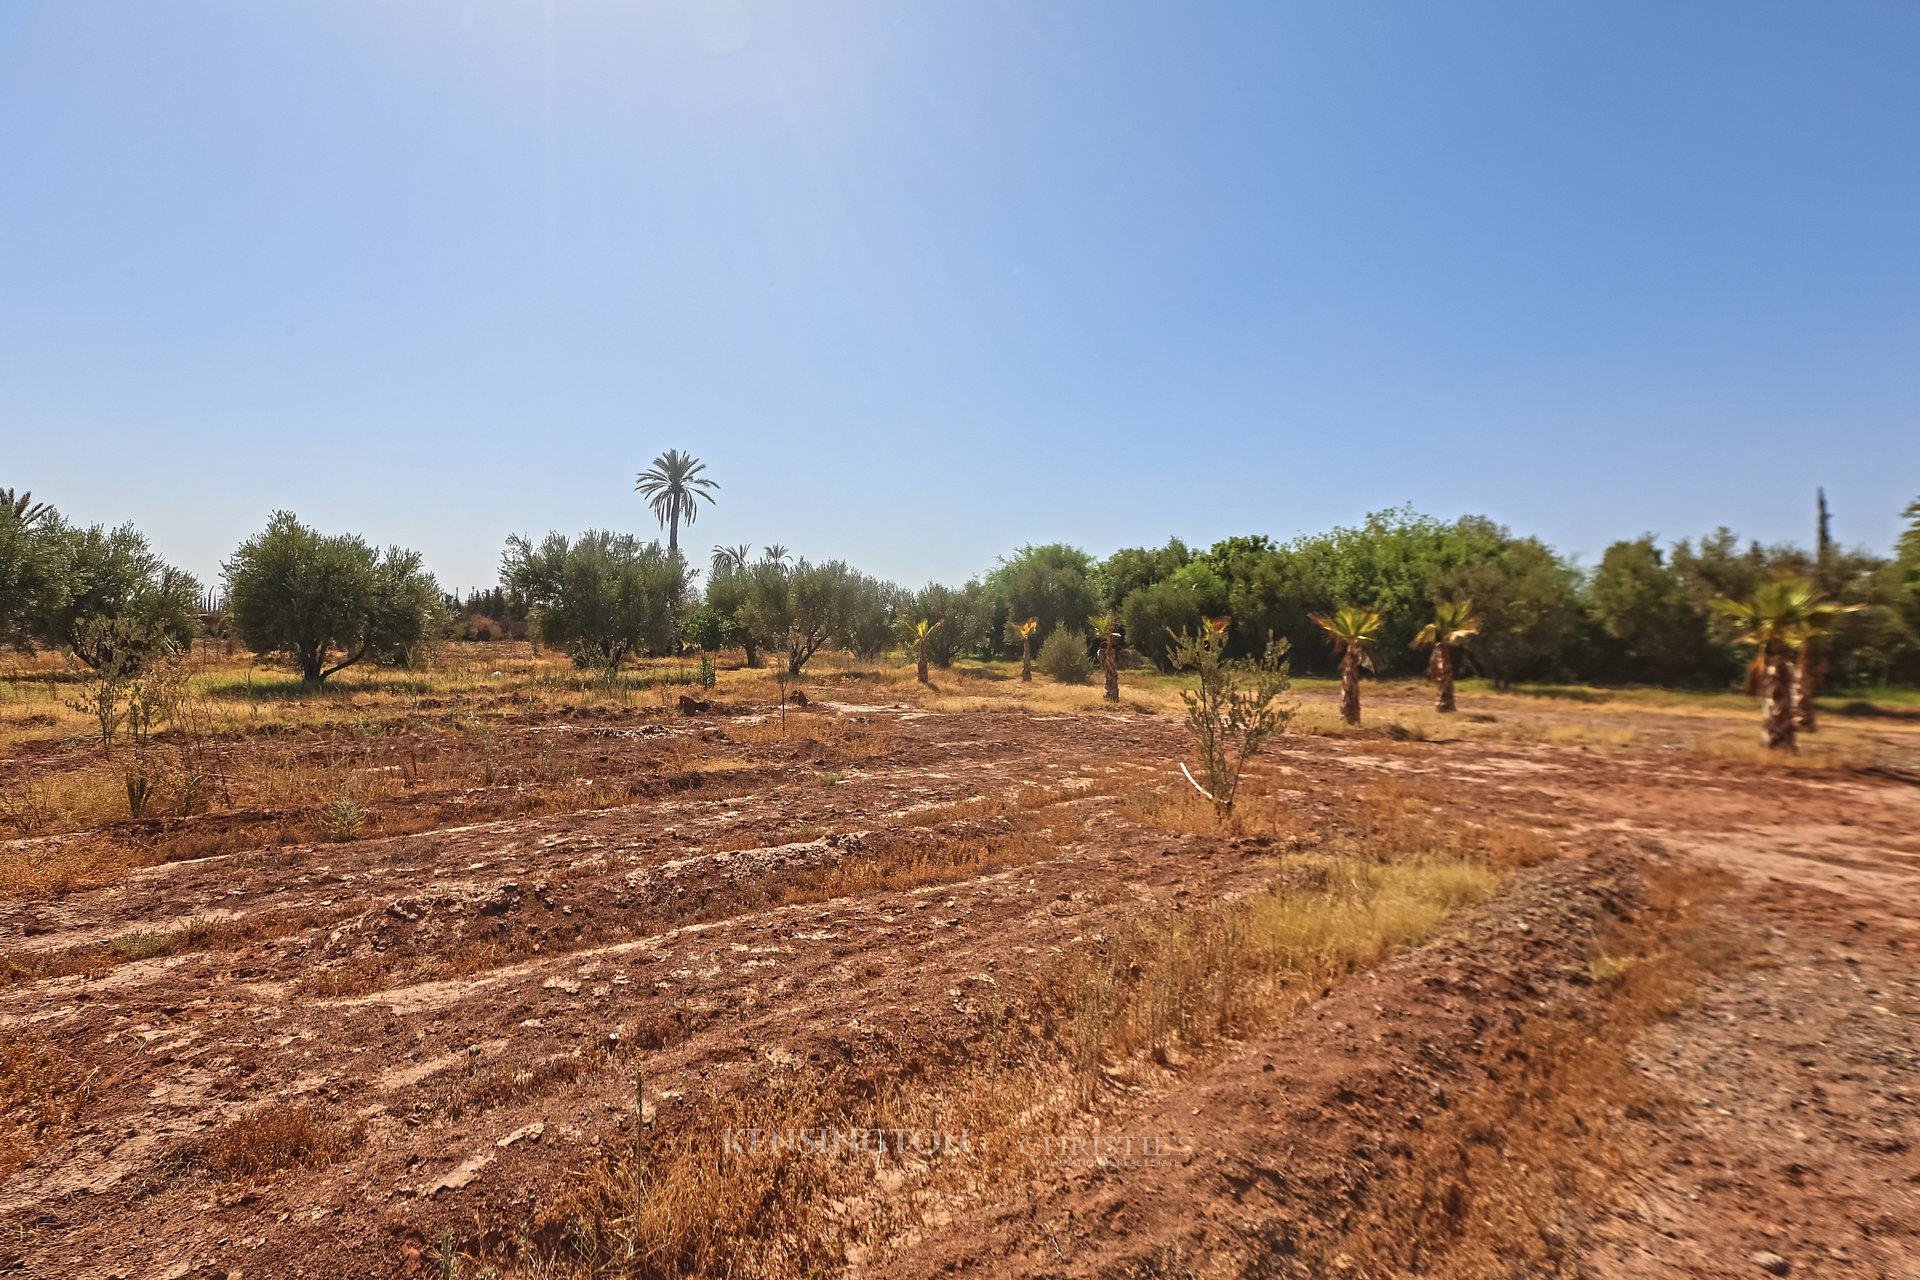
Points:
x=341 y=820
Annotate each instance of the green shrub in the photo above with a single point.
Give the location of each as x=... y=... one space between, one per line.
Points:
x=1064 y=656
x=708 y=629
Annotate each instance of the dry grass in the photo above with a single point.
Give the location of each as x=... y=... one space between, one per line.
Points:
x=1263 y=808
x=1388 y=819
x=1414 y=817
x=42 y=1090
x=1818 y=753
x=685 y=1203
x=386 y=756
x=1482 y=1189
x=276 y=1137
x=29 y=867
x=1238 y=968
x=197 y=934
x=868 y=863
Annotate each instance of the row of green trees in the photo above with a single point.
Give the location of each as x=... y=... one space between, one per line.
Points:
x=100 y=594
x=603 y=597
x=1643 y=614
x=326 y=601
x=329 y=601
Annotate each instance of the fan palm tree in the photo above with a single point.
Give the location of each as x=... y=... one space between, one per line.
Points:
x=1784 y=614
x=731 y=559
x=1353 y=631
x=1452 y=626
x=1106 y=627
x=22 y=507
x=1821 y=614
x=1776 y=624
x=1025 y=631
x=673 y=487
x=922 y=632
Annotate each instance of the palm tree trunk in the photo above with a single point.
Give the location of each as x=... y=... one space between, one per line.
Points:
x=1110 y=663
x=1026 y=658
x=1443 y=676
x=1780 y=697
x=921 y=655
x=1350 y=688
x=673 y=533
x=1806 y=683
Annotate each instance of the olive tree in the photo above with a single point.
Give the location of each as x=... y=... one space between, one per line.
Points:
x=111 y=602
x=329 y=601
x=806 y=607
x=29 y=568
x=600 y=598
x=966 y=617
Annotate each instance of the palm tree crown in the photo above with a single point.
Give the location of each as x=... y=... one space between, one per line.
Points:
x=729 y=559
x=1453 y=623
x=673 y=486
x=22 y=506
x=1785 y=613
x=1352 y=630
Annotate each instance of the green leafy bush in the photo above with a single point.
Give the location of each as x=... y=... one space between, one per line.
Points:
x=1064 y=656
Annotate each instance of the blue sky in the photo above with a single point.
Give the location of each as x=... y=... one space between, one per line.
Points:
x=925 y=281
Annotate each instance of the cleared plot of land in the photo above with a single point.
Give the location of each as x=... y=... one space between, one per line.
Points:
x=1664 y=1023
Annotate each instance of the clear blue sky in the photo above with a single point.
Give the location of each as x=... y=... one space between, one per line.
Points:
x=925 y=281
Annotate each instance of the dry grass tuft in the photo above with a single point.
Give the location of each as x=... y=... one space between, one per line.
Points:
x=1261 y=810
x=42 y=1090
x=1396 y=818
x=197 y=934
x=1817 y=754
x=64 y=865
x=278 y=1136
x=1187 y=982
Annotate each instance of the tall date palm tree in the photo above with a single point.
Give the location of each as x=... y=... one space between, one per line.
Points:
x=673 y=487
x=731 y=559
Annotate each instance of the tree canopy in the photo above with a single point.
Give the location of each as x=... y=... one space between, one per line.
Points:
x=329 y=601
x=599 y=598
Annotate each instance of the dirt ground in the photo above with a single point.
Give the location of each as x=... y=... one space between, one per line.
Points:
x=454 y=1016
